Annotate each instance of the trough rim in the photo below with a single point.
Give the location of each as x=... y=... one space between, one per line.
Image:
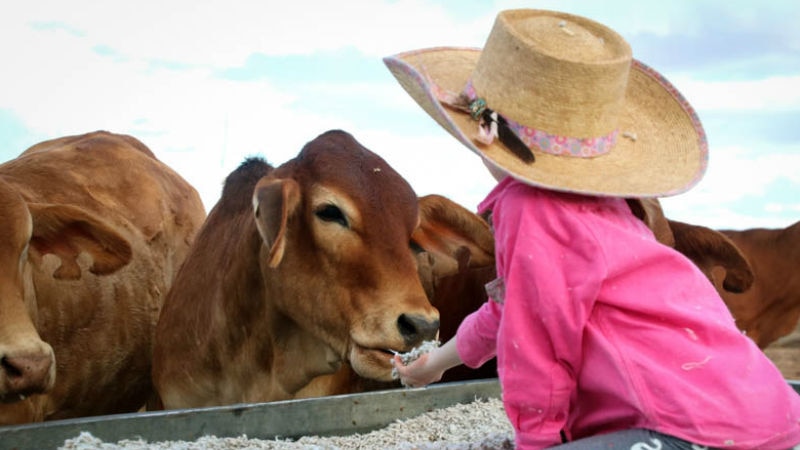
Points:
x=286 y=419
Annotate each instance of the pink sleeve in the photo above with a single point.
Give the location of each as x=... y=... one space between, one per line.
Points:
x=553 y=270
x=477 y=335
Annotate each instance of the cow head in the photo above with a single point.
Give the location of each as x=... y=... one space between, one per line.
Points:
x=28 y=232
x=454 y=248
x=450 y=238
x=336 y=224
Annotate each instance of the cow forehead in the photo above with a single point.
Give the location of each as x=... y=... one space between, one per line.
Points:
x=335 y=162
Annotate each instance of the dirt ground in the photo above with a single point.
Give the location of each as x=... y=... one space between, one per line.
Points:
x=785 y=353
x=787 y=360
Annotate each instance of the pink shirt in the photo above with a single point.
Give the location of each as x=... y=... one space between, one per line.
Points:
x=602 y=328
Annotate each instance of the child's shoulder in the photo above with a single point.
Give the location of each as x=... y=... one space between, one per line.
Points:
x=518 y=191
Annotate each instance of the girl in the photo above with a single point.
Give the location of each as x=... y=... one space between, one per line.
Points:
x=603 y=337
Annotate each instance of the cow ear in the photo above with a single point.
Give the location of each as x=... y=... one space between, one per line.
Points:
x=67 y=231
x=274 y=201
x=708 y=248
x=649 y=211
x=455 y=237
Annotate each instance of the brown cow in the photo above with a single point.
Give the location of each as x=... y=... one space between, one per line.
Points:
x=707 y=248
x=297 y=270
x=94 y=228
x=455 y=258
x=459 y=275
x=753 y=270
x=771 y=307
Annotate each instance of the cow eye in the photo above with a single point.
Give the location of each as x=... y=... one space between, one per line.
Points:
x=331 y=213
x=416 y=248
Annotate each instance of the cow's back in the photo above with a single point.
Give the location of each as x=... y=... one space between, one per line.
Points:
x=113 y=175
x=101 y=324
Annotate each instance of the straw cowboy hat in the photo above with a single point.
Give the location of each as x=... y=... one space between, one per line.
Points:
x=557 y=101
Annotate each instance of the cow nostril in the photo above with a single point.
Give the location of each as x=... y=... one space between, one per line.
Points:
x=9 y=368
x=416 y=329
x=27 y=374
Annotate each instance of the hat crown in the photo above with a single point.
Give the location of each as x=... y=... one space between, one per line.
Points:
x=562 y=39
x=562 y=74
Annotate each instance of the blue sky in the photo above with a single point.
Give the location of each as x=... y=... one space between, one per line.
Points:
x=207 y=83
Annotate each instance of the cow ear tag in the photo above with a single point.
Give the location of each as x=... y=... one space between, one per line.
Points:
x=274 y=200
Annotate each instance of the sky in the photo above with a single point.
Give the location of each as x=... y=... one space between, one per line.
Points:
x=206 y=83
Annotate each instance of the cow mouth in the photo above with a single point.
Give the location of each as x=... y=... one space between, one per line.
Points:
x=371 y=362
x=11 y=398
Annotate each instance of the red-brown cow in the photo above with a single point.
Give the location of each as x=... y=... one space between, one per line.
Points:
x=455 y=279
x=771 y=307
x=297 y=270
x=455 y=259
x=707 y=248
x=753 y=270
x=93 y=230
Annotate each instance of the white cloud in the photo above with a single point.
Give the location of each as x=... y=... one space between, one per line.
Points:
x=626 y=17
x=433 y=164
x=778 y=93
x=780 y=208
x=201 y=125
x=735 y=172
x=742 y=177
x=57 y=82
x=222 y=33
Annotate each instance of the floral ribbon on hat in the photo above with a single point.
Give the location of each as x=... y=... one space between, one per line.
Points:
x=518 y=138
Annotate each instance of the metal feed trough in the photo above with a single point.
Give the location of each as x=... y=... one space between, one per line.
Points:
x=290 y=419
x=326 y=416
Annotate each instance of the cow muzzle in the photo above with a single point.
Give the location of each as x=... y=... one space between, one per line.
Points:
x=373 y=361
x=417 y=328
x=24 y=373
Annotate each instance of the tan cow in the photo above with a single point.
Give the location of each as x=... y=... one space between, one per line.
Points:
x=93 y=230
x=297 y=270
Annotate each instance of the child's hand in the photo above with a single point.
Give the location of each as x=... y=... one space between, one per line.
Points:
x=417 y=373
x=425 y=364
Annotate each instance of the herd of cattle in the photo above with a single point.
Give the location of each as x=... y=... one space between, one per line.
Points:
x=119 y=293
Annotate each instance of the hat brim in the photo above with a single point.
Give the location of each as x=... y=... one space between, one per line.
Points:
x=661 y=148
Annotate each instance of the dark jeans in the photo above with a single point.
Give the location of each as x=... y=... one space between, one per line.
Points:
x=631 y=440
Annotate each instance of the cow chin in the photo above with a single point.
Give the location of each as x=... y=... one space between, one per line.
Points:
x=371 y=363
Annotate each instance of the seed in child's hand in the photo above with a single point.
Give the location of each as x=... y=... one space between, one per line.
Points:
x=413 y=355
